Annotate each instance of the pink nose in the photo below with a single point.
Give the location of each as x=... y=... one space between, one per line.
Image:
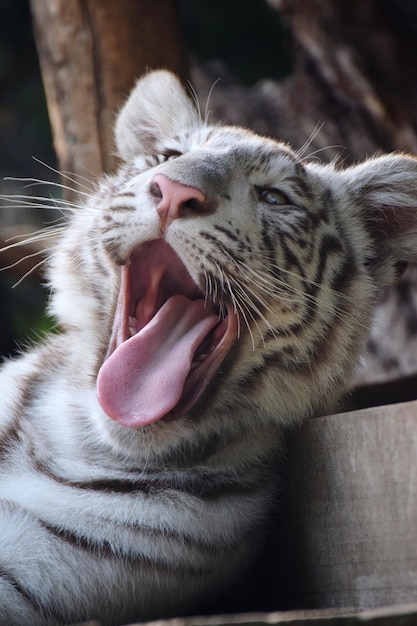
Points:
x=176 y=199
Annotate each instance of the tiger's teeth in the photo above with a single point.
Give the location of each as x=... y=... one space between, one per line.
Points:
x=132 y=326
x=201 y=357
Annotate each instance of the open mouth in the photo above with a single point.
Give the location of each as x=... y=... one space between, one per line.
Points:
x=167 y=341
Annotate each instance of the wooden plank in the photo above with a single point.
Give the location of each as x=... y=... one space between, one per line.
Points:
x=392 y=616
x=352 y=503
x=90 y=54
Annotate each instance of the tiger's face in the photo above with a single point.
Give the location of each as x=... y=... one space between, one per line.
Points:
x=223 y=273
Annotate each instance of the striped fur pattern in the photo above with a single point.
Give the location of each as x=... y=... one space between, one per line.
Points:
x=108 y=522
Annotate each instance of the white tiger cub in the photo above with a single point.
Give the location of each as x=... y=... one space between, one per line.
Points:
x=214 y=291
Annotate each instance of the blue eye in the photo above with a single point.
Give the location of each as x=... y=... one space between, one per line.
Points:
x=273 y=196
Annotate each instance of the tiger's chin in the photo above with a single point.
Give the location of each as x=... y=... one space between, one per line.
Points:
x=167 y=343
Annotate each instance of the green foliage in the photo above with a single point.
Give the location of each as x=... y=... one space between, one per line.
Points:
x=22 y=315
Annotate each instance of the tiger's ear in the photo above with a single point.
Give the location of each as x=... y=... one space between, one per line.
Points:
x=156 y=110
x=383 y=190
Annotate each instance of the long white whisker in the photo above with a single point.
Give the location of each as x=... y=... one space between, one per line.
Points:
x=300 y=152
x=196 y=101
x=72 y=177
x=264 y=285
x=210 y=93
x=39 y=202
x=50 y=232
x=38 y=181
x=250 y=308
x=297 y=296
x=227 y=287
x=237 y=304
x=305 y=280
x=28 y=256
x=310 y=155
x=32 y=269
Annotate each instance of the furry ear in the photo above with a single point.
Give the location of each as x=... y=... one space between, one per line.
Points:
x=156 y=110
x=383 y=190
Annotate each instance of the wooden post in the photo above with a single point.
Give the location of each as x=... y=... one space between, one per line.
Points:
x=90 y=55
x=352 y=502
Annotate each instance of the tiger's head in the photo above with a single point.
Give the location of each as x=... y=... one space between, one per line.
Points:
x=218 y=274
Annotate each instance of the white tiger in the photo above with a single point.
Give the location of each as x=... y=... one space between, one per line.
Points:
x=214 y=291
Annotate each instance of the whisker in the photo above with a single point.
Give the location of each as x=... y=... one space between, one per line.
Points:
x=27 y=256
x=226 y=284
x=73 y=177
x=305 y=280
x=32 y=269
x=310 y=155
x=195 y=99
x=50 y=232
x=210 y=93
x=301 y=151
x=251 y=306
x=37 y=202
x=38 y=181
x=302 y=298
x=296 y=296
x=284 y=329
x=269 y=284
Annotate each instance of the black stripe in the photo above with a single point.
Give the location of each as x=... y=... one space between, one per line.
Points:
x=326 y=204
x=251 y=379
x=24 y=593
x=219 y=245
x=102 y=548
x=228 y=233
x=294 y=330
x=267 y=241
x=300 y=185
x=10 y=439
x=51 y=611
x=291 y=260
x=204 y=485
x=330 y=244
x=347 y=272
x=242 y=246
x=48 y=360
x=77 y=540
x=273 y=360
x=112 y=247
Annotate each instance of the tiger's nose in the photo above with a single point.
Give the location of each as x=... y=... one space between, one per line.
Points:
x=175 y=199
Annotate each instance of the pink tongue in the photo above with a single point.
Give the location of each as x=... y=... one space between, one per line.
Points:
x=145 y=376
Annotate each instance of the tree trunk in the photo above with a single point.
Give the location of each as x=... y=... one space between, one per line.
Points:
x=90 y=55
x=353 y=80
x=354 y=74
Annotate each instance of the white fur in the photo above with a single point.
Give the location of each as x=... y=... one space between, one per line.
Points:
x=54 y=434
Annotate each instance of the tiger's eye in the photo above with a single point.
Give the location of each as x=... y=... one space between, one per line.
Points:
x=273 y=196
x=171 y=154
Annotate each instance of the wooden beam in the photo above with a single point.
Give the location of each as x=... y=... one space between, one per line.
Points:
x=352 y=506
x=90 y=55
